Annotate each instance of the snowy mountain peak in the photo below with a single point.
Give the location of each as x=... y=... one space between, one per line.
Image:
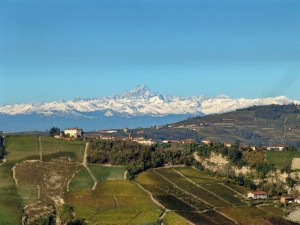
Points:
x=142 y=91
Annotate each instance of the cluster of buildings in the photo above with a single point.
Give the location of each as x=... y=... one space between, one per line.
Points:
x=263 y=195
x=278 y=147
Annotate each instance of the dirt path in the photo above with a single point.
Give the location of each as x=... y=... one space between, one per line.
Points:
x=84 y=163
x=151 y=196
x=40 y=148
x=3 y=161
x=68 y=184
x=14 y=175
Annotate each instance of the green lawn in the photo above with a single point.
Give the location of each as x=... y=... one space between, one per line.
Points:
x=114 y=202
x=282 y=159
x=53 y=148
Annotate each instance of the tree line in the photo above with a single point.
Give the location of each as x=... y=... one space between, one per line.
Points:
x=272 y=111
x=138 y=157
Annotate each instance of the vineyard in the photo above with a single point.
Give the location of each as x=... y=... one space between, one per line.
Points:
x=201 y=199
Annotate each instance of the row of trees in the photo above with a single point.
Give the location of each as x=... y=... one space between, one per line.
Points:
x=2 y=149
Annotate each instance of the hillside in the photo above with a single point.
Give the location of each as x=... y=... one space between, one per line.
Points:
x=259 y=125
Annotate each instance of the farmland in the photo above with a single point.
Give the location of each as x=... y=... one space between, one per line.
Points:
x=114 y=202
x=42 y=173
x=281 y=159
x=200 y=199
x=103 y=173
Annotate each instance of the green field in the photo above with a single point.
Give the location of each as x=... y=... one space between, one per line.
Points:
x=21 y=147
x=53 y=148
x=103 y=173
x=81 y=181
x=173 y=218
x=282 y=159
x=10 y=212
x=18 y=148
x=242 y=214
x=114 y=202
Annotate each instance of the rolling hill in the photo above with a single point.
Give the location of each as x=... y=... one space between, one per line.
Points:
x=258 y=125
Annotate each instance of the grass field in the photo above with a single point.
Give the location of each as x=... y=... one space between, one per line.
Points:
x=114 y=202
x=81 y=181
x=281 y=159
x=173 y=218
x=21 y=147
x=272 y=209
x=18 y=148
x=54 y=148
x=247 y=213
x=103 y=173
x=210 y=217
x=10 y=203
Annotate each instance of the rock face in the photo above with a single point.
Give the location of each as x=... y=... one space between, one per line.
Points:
x=138 y=105
x=217 y=163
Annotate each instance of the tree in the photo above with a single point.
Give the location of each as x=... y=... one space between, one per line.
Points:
x=54 y=131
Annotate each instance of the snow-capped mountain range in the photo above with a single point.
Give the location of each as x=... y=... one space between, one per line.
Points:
x=137 y=103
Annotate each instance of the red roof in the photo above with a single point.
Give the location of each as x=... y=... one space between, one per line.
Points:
x=259 y=192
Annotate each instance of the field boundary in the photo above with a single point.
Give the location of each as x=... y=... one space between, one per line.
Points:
x=151 y=196
x=84 y=163
x=40 y=148
x=183 y=190
x=203 y=188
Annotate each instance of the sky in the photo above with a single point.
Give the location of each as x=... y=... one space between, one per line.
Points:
x=62 y=49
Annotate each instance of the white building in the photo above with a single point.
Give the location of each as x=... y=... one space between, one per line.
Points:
x=257 y=195
x=276 y=147
x=74 y=132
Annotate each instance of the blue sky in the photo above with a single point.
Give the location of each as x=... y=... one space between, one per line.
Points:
x=61 y=49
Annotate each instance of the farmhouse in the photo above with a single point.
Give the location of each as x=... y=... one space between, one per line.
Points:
x=74 y=132
x=257 y=195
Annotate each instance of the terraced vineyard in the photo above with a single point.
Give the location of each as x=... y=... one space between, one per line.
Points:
x=201 y=199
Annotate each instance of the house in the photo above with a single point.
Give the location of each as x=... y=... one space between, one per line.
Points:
x=74 y=132
x=286 y=199
x=276 y=147
x=257 y=195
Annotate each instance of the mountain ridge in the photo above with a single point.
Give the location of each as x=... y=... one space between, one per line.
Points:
x=139 y=107
x=141 y=101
